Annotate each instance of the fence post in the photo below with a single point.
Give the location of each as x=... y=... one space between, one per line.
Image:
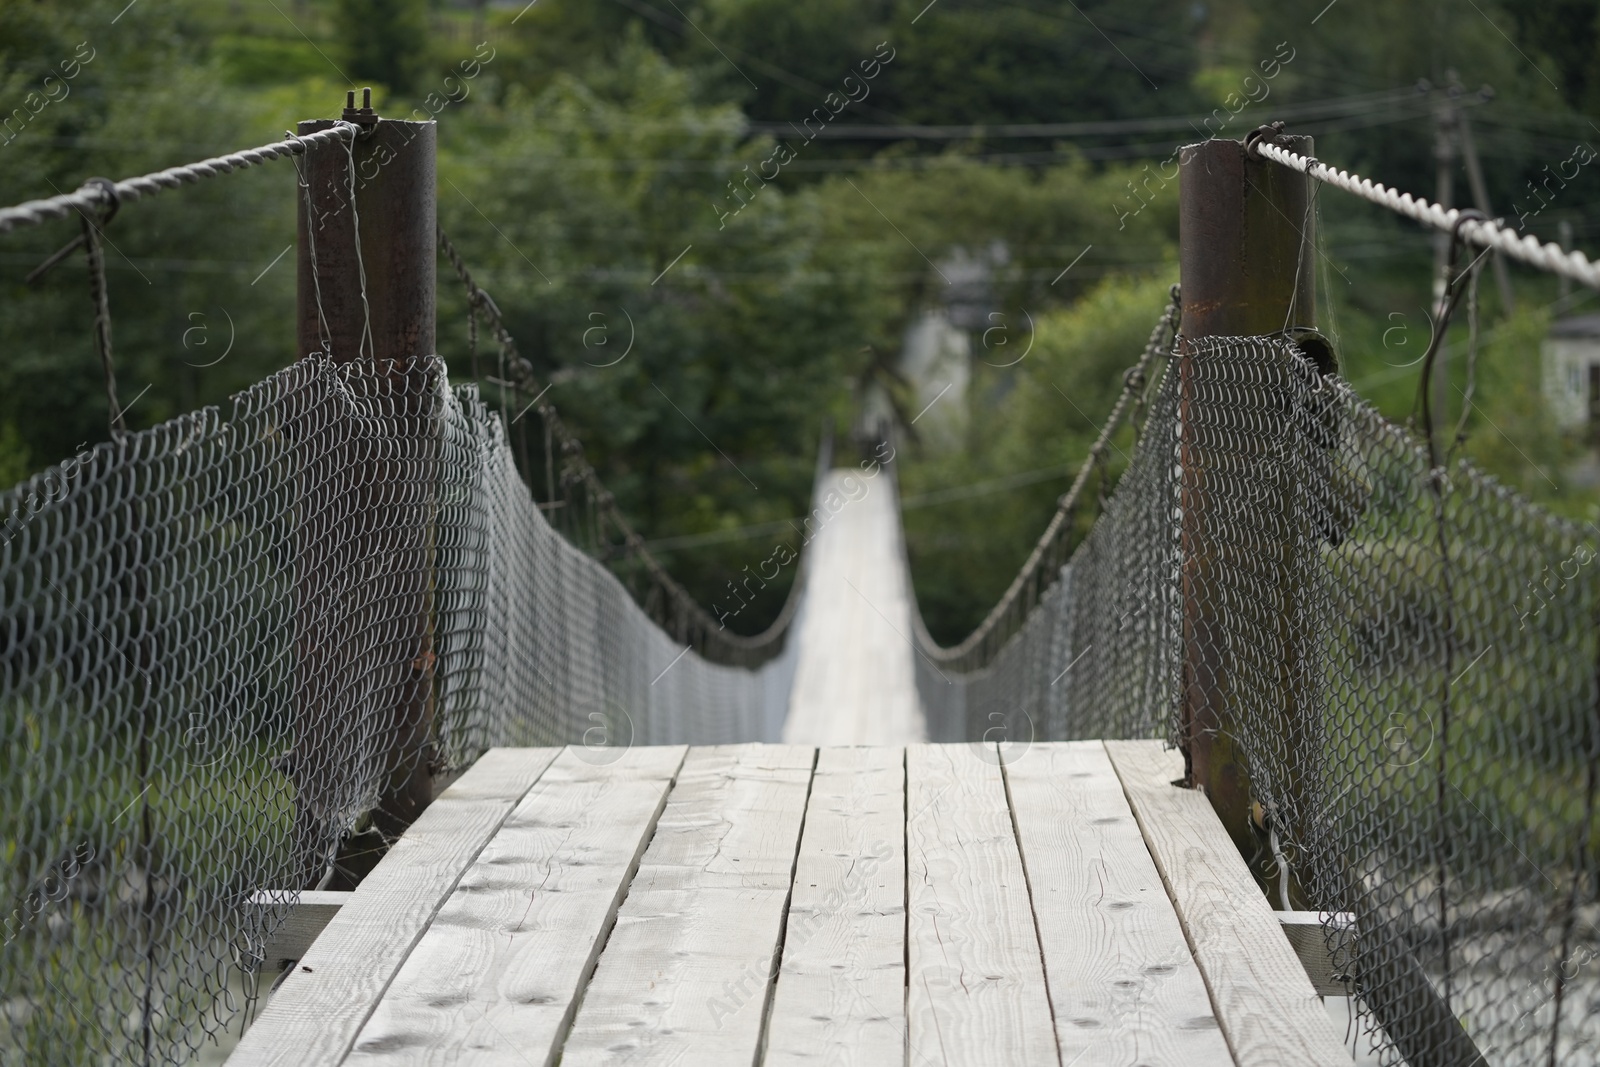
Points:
x=364 y=552
x=1246 y=256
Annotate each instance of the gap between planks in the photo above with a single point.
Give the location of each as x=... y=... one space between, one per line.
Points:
x=1263 y=999
x=976 y=985
x=313 y=1018
x=497 y=977
x=1123 y=985
x=839 y=996
x=684 y=975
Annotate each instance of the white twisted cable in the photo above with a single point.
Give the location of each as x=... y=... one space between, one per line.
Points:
x=34 y=212
x=1484 y=233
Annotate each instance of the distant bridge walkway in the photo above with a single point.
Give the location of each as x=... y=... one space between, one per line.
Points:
x=854 y=680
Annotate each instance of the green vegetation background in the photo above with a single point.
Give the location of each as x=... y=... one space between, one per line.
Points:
x=596 y=141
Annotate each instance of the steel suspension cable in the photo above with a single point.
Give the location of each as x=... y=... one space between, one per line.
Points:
x=97 y=194
x=1485 y=233
x=1010 y=611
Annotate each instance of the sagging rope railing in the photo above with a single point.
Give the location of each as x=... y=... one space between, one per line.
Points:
x=1055 y=544
x=97 y=193
x=1470 y=225
x=96 y=203
x=98 y=198
x=678 y=612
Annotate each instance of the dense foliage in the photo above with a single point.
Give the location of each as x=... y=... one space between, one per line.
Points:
x=596 y=171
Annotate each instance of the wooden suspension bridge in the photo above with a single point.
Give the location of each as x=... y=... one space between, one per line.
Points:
x=856 y=896
x=853 y=894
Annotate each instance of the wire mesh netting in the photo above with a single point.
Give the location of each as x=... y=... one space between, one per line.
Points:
x=1405 y=658
x=226 y=638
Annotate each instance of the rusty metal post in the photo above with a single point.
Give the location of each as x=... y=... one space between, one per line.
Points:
x=1247 y=248
x=1247 y=266
x=395 y=198
x=364 y=642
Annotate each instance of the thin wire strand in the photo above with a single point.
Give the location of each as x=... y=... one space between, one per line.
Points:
x=94 y=255
x=1300 y=258
x=1460 y=436
x=366 y=346
x=325 y=334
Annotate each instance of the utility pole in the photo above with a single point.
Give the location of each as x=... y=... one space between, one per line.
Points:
x=1452 y=127
x=1565 y=239
x=1480 y=191
x=364 y=510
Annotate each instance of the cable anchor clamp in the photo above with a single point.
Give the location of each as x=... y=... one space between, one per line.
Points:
x=1270 y=131
x=362 y=116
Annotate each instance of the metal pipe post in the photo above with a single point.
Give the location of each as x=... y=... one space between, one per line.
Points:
x=366 y=284
x=1246 y=254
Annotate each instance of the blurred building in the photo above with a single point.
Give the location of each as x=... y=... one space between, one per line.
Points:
x=937 y=351
x=936 y=359
x=1571 y=372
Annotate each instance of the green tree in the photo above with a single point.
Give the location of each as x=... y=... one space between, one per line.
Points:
x=1568 y=31
x=604 y=190
x=1040 y=415
x=385 y=41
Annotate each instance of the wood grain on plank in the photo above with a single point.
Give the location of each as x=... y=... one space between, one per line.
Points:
x=684 y=976
x=1123 y=984
x=976 y=989
x=315 y=1015
x=840 y=995
x=1264 y=1002
x=496 y=978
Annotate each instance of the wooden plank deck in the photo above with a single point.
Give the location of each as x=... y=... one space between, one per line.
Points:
x=781 y=904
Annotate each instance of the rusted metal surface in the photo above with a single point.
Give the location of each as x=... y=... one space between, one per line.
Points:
x=1247 y=248
x=394 y=180
x=1246 y=268
x=366 y=285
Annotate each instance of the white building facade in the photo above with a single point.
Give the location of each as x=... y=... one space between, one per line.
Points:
x=1570 y=358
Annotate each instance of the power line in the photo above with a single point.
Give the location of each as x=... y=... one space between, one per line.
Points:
x=776 y=73
x=1329 y=108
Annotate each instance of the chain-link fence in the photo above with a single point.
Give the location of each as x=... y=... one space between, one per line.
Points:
x=226 y=638
x=1407 y=661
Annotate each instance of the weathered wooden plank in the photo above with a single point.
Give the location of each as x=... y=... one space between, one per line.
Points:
x=1123 y=984
x=496 y=978
x=976 y=988
x=840 y=995
x=1264 y=1002
x=685 y=974
x=309 y=911
x=315 y=1015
